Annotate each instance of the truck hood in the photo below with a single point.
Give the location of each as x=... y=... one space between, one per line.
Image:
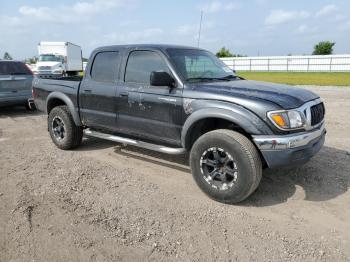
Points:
x=284 y=96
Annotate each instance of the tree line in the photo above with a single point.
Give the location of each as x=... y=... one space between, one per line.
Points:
x=321 y=48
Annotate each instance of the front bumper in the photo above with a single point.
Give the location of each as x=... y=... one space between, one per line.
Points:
x=290 y=150
x=47 y=74
x=13 y=100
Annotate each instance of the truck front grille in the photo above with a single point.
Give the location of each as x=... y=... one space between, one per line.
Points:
x=317 y=113
x=44 y=67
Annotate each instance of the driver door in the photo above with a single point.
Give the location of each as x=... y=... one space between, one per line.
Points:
x=147 y=111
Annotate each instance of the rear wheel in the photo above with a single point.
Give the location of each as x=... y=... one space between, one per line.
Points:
x=63 y=131
x=225 y=165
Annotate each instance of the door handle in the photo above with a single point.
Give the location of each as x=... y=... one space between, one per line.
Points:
x=124 y=94
x=87 y=90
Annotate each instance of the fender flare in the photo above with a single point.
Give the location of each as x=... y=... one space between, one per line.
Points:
x=68 y=102
x=243 y=118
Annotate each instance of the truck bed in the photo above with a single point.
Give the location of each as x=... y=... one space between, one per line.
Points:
x=67 y=86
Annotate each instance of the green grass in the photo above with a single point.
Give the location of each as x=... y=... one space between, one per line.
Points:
x=298 y=78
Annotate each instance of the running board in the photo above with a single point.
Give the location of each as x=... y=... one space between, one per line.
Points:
x=128 y=141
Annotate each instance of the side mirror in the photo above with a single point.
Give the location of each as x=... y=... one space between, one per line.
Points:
x=159 y=78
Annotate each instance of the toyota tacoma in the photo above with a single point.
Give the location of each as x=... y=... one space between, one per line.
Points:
x=175 y=99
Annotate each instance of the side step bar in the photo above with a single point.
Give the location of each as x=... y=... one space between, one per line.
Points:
x=128 y=141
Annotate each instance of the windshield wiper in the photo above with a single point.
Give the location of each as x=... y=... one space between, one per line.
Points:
x=238 y=77
x=231 y=77
x=207 y=79
x=225 y=78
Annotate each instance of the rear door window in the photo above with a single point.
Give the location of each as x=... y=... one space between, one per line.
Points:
x=105 y=67
x=14 y=68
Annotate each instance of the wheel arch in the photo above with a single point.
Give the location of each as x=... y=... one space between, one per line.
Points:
x=241 y=121
x=59 y=99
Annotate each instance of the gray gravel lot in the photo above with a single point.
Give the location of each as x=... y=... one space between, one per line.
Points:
x=105 y=202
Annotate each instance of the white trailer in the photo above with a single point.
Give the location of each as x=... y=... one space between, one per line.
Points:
x=58 y=58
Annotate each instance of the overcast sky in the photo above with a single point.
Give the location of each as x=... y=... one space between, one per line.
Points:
x=265 y=27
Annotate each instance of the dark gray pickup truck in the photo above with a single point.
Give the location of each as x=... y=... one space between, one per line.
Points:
x=174 y=99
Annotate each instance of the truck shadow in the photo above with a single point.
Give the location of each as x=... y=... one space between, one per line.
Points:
x=325 y=177
x=177 y=162
x=92 y=144
x=17 y=111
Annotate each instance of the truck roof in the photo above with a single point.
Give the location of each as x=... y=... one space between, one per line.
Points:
x=155 y=46
x=56 y=43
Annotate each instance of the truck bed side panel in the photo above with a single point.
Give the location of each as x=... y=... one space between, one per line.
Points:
x=44 y=87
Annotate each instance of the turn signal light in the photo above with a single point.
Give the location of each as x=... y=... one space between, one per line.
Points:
x=279 y=120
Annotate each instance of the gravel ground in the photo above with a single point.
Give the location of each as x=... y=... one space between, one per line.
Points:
x=104 y=202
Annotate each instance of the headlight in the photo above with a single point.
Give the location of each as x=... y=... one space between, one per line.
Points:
x=287 y=120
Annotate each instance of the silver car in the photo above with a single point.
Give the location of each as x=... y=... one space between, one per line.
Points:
x=15 y=84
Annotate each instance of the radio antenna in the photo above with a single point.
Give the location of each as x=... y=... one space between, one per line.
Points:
x=200 y=28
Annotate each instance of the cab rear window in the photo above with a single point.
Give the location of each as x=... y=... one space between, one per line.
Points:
x=13 y=68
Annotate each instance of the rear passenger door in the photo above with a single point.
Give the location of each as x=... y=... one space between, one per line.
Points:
x=97 y=91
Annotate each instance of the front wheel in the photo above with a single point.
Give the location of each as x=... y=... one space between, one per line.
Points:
x=63 y=131
x=226 y=165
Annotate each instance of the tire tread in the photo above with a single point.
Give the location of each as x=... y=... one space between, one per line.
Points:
x=75 y=131
x=251 y=153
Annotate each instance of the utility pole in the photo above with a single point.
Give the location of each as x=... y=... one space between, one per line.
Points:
x=200 y=28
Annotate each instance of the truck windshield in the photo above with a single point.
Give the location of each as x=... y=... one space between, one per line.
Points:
x=50 y=58
x=199 y=65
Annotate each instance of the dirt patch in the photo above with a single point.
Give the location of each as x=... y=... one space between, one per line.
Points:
x=106 y=202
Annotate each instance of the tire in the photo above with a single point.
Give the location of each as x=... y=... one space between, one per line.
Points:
x=72 y=134
x=226 y=150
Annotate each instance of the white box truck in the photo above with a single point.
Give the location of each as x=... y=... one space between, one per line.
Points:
x=58 y=59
